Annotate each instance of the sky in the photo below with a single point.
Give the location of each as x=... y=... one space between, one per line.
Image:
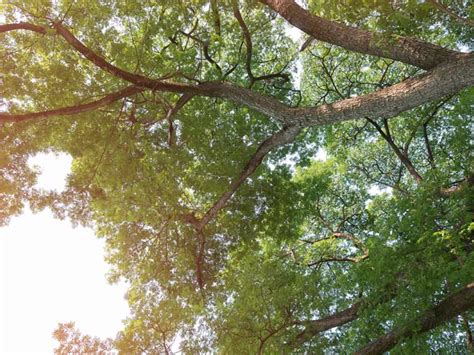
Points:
x=51 y=272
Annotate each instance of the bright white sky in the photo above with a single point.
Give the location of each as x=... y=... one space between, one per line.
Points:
x=51 y=273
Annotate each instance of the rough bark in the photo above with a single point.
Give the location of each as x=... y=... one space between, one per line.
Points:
x=407 y=50
x=453 y=305
x=444 y=80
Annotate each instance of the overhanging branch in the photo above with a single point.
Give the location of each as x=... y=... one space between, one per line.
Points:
x=407 y=50
x=72 y=110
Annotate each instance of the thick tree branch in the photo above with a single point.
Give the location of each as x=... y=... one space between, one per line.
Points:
x=249 y=98
x=446 y=79
x=453 y=305
x=71 y=110
x=407 y=50
x=22 y=26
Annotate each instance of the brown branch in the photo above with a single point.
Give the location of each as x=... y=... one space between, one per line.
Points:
x=453 y=305
x=284 y=136
x=183 y=100
x=264 y=104
x=335 y=259
x=467 y=182
x=22 y=26
x=428 y=146
x=249 y=46
x=445 y=79
x=248 y=40
x=270 y=334
x=403 y=158
x=101 y=63
x=424 y=122
x=199 y=260
x=404 y=49
x=72 y=110
x=216 y=16
x=205 y=47
x=315 y=327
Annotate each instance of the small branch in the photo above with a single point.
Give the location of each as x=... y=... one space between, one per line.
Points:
x=332 y=259
x=248 y=40
x=216 y=16
x=469 y=338
x=403 y=158
x=205 y=48
x=183 y=100
x=249 y=46
x=428 y=146
x=270 y=334
x=424 y=123
x=199 y=261
x=446 y=10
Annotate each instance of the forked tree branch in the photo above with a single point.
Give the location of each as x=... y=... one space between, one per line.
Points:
x=249 y=47
x=445 y=79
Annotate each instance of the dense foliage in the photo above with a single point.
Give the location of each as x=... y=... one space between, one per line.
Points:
x=377 y=230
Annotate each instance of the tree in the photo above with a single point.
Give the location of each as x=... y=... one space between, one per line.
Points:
x=71 y=341
x=194 y=128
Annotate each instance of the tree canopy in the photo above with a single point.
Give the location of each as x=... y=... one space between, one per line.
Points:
x=259 y=194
